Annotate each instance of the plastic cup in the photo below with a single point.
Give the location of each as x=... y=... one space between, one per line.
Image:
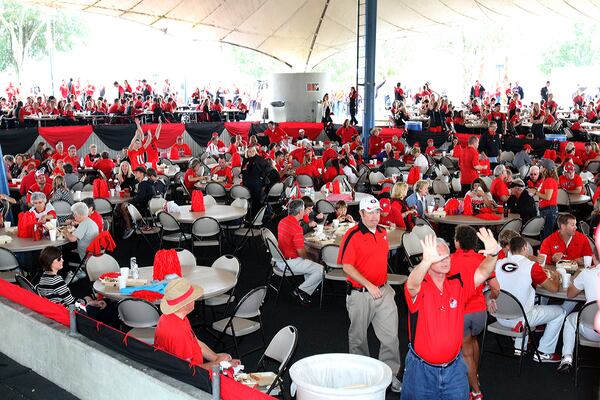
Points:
x=14 y=181
x=543 y=262
x=123 y=278
x=335 y=223
x=112 y=192
x=52 y=233
x=319 y=229
x=429 y=209
x=566 y=280
x=7 y=224
x=587 y=261
x=443 y=154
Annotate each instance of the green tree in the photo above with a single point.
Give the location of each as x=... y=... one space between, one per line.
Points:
x=23 y=33
x=576 y=51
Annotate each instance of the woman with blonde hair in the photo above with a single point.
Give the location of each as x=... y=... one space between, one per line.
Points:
x=548 y=195
x=398 y=200
x=125 y=176
x=537 y=121
x=60 y=190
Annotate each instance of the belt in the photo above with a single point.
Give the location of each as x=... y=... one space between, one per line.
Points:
x=362 y=290
x=444 y=365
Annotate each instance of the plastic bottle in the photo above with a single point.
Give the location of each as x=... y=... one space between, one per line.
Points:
x=133 y=267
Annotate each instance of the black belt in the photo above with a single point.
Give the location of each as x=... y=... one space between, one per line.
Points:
x=444 y=365
x=361 y=290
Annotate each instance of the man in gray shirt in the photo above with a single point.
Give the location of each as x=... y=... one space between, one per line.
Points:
x=522 y=157
x=86 y=231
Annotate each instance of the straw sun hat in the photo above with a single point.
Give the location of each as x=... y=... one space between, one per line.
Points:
x=178 y=293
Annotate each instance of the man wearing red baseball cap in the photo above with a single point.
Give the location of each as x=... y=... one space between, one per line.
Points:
x=570 y=181
x=523 y=157
x=390 y=215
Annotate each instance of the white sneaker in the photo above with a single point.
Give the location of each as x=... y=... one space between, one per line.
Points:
x=396 y=385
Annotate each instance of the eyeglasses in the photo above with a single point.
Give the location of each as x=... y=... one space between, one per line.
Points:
x=59 y=258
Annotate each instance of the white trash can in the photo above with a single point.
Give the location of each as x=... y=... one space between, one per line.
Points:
x=340 y=377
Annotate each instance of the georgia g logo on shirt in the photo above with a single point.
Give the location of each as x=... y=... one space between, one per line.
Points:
x=453 y=303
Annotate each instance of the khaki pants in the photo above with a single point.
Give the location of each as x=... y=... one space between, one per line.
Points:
x=363 y=311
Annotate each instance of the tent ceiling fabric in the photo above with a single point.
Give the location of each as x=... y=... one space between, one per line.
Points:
x=286 y=29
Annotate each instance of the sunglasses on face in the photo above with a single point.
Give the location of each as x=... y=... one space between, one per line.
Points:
x=59 y=259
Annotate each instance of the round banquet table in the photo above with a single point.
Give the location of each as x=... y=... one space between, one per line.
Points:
x=561 y=294
x=181 y=160
x=23 y=245
x=359 y=196
x=394 y=240
x=579 y=199
x=213 y=281
x=219 y=212
x=470 y=220
x=117 y=199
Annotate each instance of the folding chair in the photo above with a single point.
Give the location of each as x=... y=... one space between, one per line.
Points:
x=239 y=192
x=62 y=209
x=140 y=225
x=411 y=244
x=217 y=191
x=25 y=284
x=186 y=258
x=251 y=230
x=514 y=224
x=98 y=265
x=305 y=181
x=245 y=320
x=332 y=271
x=141 y=316
x=280 y=349
x=9 y=265
x=325 y=207
x=174 y=231
x=532 y=230
x=230 y=264
x=585 y=317
x=285 y=275
x=206 y=232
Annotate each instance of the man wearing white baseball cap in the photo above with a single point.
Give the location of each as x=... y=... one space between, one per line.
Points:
x=369 y=299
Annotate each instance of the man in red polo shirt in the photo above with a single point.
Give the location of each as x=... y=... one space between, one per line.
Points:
x=570 y=181
x=469 y=165
x=59 y=152
x=328 y=152
x=566 y=243
x=436 y=305
x=274 y=133
x=72 y=157
x=180 y=149
x=499 y=188
x=174 y=333
x=41 y=185
x=369 y=298
x=28 y=180
x=222 y=169
x=290 y=237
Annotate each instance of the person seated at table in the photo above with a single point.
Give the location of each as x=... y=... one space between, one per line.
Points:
x=570 y=181
x=308 y=167
x=41 y=185
x=518 y=275
x=53 y=287
x=222 y=170
x=348 y=170
x=70 y=177
x=86 y=231
x=516 y=122
x=570 y=155
x=92 y=156
x=215 y=146
x=591 y=153
x=521 y=202
x=144 y=191
x=577 y=130
x=242 y=112
x=387 y=152
x=311 y=216
x=104 y=164
x=417 y=199
x=523 y=157
x=72 y=157
x=60 y=190
x=566 y=243
x=92 y=214
x=346 y=132
x=174 y=333
x=125 y=176
x=480 y=196
x=157 y=184
x=59 y=168
x=341 y=209
x=390 y=216
x=430 y=149
x=59 y=151
x=42 y=210
x=291 y=243
x=398 y=201
x=534 y=179
x=587 y=282
x=499 y=189
x=180 y=149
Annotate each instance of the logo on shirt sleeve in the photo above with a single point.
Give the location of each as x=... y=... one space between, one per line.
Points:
x=453 y=303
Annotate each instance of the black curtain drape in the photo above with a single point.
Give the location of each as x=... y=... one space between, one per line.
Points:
x=256 y=129
x=515 y=145
x=17 y=140
x=201 y=133
x=422 y=137
x=116 y=137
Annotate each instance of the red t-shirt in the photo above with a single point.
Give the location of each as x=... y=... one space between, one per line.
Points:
x=290 y=237
x=579 y=246
x=58 y=156
x=549 y=184
x=467 y=262
x=367 y=252
x=468 y=160
x=433 y=313
x=571 y=184
x=346 y=134
x=47 y=190
x=375 y=145
x=74 y=161
x=329 y=154
x=274 y=135
x=499 y=189
x=106 y=165
x=97 y=218
x=180 y=150
x=175 y=336
x=585 y=157
x=152 y=152
x=136 y=158
x=395 y=217
x=26 y=183
x=308 y=169
x=330 y=174
x=186 y=179
x=576 y=126
x=226 y=172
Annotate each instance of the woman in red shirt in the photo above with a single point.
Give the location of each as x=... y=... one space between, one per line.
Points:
x=307 y=167
x=192 y=175
x=548 y=195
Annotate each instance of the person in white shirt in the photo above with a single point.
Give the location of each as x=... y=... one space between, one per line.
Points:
x=587 y=281
x=348 y=171
x=517 y=275
x=420 y=160
x=213 y=146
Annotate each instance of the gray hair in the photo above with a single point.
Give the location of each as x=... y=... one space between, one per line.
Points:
x=35 y=196
x=499 y=170
x=80 y=208
x=534 y=168
x=295 y=207
x=443 y=243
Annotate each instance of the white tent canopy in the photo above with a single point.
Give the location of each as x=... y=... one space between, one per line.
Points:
x=302 y=33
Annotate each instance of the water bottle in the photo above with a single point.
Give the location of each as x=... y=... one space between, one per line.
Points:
x=505 y=210
x=133 y=267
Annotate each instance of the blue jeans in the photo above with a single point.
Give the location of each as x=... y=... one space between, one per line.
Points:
x=550 y=215
x=422 y=381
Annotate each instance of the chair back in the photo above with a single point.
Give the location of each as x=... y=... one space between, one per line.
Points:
x=266 y=233
x=441 y=187
x=587 y=314
x=206 y=227
x=435 y=198
x=447 y=162
x=282 y=346
x=165 y=161
x=24 y=283
x=240 y=192
x=168 y=222
x=456 y=186
x=62 y=208
x=138 y=313
x=260 y=215
x=375 y=178
x=156 y=204
x=240 y=203
x=584 y=227
x=325 y=207
x=524 y=171
x=88 y=187
x=487 y=180
x=422 y=230
x=411 y=243
x=77 y=187
x=103 y=206
x=304 y=181
x=250 y=305
x=514 y=224
x=508 y=306
x=329 y=255
x=390 y=171
x=227 y=263
x=8 y=260
x=236 y=171
x=186 y=258
x=134 y=213
x=215 y=190
x=276 y=190
x=563 y=198
x=275 y=252
x=507 y=156
x=593 y=167
x=533 y=227
x=98 y=265
x=209 y=201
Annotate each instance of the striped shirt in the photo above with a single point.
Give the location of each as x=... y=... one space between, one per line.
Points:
x=54 y=288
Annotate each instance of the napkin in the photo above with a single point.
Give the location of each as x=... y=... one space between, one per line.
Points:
x=156 y=287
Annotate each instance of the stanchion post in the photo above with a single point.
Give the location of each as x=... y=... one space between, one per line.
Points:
x=216 y=382
x=72 y=320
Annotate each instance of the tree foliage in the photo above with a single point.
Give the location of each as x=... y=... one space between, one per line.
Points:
x=26 y=32
x=576 y=51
